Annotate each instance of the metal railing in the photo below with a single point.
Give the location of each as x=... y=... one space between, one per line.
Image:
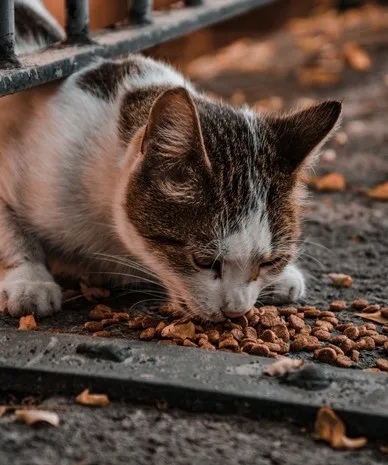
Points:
x=145 y=29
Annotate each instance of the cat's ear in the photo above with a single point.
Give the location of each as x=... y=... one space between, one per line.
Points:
x=173 y=130
x=301 y=133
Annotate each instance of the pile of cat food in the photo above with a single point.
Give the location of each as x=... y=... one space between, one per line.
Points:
x=267 y=331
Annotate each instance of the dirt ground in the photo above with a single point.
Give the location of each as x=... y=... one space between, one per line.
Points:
x=344 y=232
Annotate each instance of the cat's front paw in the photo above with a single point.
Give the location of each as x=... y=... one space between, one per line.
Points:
x=290 y=285
x=20 y=298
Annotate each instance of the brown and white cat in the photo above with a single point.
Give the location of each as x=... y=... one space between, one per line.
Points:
x=126 y=170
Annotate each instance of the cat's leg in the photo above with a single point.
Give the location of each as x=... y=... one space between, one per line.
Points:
x=289 y=286
x=27 y=286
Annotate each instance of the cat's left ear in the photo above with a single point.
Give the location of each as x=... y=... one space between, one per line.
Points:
x=302 y=133
x=173 y=132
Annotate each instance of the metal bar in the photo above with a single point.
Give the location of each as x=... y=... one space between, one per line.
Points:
x=193 y=2
x=77 y=22
x=7 y=34
x=141 y=11
x=59 y=62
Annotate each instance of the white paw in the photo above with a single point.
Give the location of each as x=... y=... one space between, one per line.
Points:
x=22 y=293
x=290 y=285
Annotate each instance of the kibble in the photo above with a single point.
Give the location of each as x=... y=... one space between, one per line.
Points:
x=343 y=361
x=359 y=304
x=295 y=322
x=326 y=354
x=337 y=306
x=382 y=363
x=147 y=334
x=384 y=312
x=371 y=308
x=352 y=332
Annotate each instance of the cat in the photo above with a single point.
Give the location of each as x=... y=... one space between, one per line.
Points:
x=124 y=171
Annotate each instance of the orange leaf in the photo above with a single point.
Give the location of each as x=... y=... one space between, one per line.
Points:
x=329 y=427
x=27 y=323
x=377 y=317
x=92 y=400
x=379 y=192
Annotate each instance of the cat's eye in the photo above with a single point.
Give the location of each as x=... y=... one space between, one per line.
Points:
x=208 y=263
x=272 y=263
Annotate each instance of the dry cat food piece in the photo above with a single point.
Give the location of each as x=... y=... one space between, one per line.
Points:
x=337 y=306
x=352 y=332
x=102 y=334
x=343 y=361
x=360 y=304
x=288 y=311
x=136 y=323
x=332 y=182
x=100 y=312
x=147 y=334
x=341 y=280
x=326 y=354
x=93 y=293
x=31 y=417
x=371 y=308
x=384 y=312
x=295 y=322
x=27 y=323
x=382 y=363
x=93 y=326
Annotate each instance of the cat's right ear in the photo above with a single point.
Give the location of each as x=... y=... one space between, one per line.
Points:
x=300 y=134
x=173 y=131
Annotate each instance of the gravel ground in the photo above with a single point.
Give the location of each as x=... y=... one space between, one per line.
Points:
x=344 y=232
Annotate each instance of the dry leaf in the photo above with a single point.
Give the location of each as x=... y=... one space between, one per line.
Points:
x=357 y=57
x=27 y=323
x=93 y=400
x=340 y=279
x=332 y=182
x=379 y=192
x=30 y=417
x=281 y=367
x=329 y=427
x=184 y=331
x=373 y=317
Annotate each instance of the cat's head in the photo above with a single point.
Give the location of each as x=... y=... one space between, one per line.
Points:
x=212 y=203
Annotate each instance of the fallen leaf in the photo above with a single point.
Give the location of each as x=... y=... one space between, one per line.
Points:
x=3 y=410
x=377 y=317
x=184 y=331
x=340 y=279
x=357 y=58
x=30 y=417
x=27 y=323
x=332 y=182
x=329 y=427
x=281 y=367
x=93 y=400
x=379 y=192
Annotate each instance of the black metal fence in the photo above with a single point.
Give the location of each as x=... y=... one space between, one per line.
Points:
x=145 y=29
